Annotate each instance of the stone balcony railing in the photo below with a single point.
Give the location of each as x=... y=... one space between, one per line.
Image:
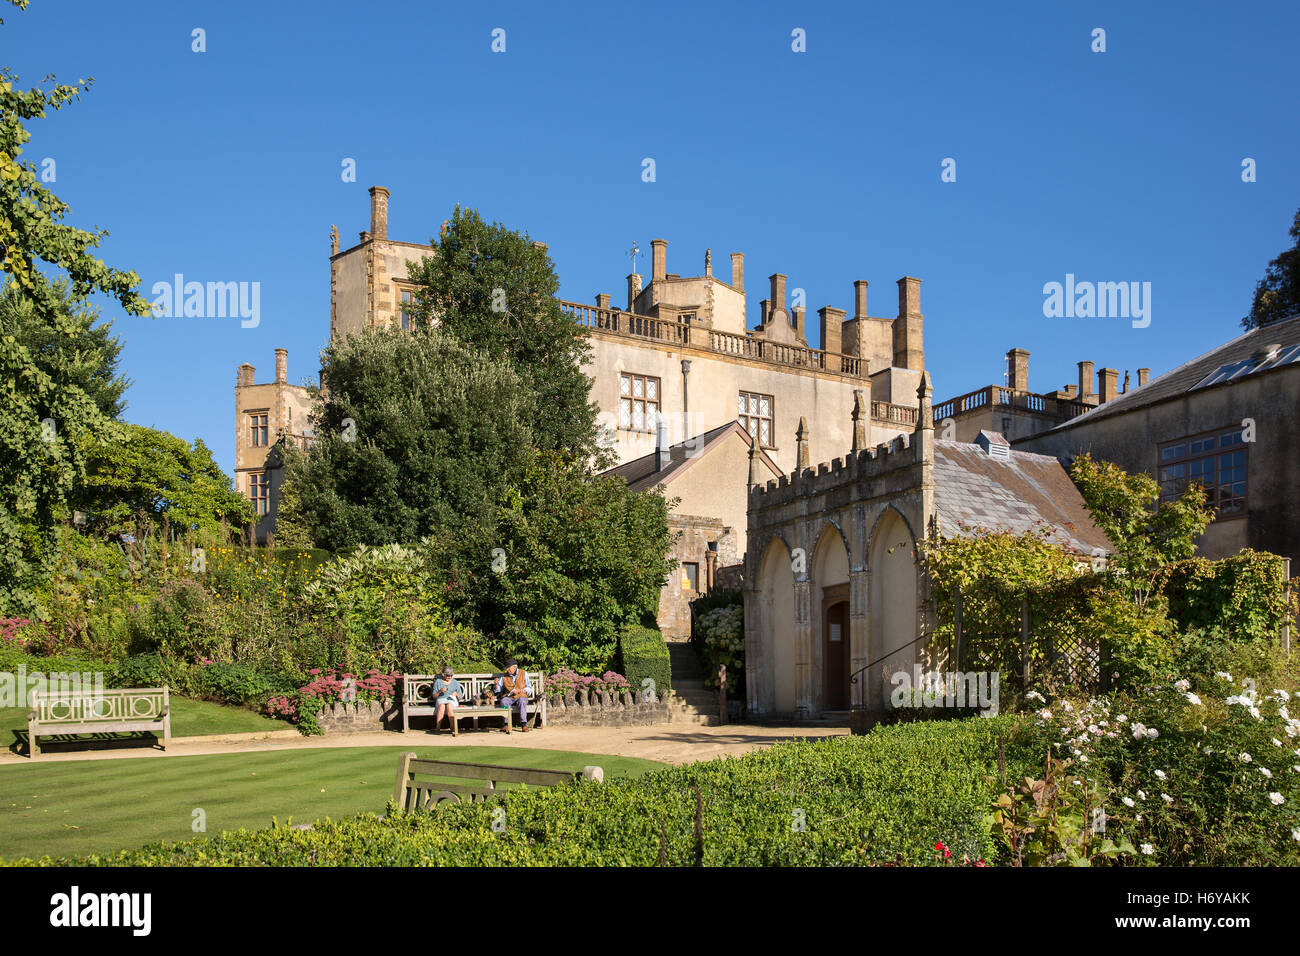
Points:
x=671 y=331
x=997 y=396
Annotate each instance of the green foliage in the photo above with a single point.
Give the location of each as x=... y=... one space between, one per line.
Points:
x=383 y=609
x=795 y=804
x=720 y=637
x=495 y=290
x=47 y=418
x=643 y=654
x=1198 y=771
x=1277 y=295
x=1147 y=533
x=143 y=475
x=582 y=557
x=434 y=439
x=1245 y=595
x=86 y=355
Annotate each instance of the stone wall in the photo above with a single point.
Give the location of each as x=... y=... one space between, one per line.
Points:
x=606 y=709
x=360 y=718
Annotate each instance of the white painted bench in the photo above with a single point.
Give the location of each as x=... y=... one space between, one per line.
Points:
x=98 y=712
x=417 y=699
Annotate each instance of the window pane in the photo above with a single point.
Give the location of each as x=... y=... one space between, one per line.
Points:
x=638 y=415
x=753 y=404
x=764 y=407
x=764 y=432
x=637 y=387
x=623 y=385
x=741 y=409
x=651 y=388
x=624 y=413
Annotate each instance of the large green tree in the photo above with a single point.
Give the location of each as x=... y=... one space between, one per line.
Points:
x=417 y=435
x=87 y=358
x=47 y=420
x=580 y=558
x=1277 y=295
x=150 y=476
x=495 y=290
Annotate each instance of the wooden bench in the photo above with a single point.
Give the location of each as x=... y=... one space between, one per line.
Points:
x=417 y=700
x=422 y=784
x=98 y=712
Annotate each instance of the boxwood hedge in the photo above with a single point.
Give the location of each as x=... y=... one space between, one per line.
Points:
x=642 y=653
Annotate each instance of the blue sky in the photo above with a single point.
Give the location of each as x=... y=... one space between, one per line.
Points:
x=824 y=165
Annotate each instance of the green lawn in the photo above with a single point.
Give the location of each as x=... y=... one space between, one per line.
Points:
x=190 y=718
x=75 y=807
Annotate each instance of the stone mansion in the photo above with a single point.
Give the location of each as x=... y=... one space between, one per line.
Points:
x=685 y=389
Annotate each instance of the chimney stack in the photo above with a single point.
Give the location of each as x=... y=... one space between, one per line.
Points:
x=602 y=300
x=909 y=352
x=778 y=291
x=1125 y=392
x=832 y=328
x=860 y=298
x=1085 y=381
x=798 y=316
x=738 y=271
x=633 y=289
x=1109 y=380
x=658 y=259
x=244 y=375
x=1143 y=375
x=281 y=366
x=379 y=212
x=1018 y=370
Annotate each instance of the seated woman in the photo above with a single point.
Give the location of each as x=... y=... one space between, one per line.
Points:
x=447 y=694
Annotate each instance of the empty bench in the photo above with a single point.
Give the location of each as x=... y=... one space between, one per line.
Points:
x=424 y=784
x=56 y=713
x=417 y=700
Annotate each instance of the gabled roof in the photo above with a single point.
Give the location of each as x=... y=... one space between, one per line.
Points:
x=1018 y=493
x=1190 y=375
x=642 y=473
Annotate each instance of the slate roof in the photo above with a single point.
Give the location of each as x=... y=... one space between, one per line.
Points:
x=1023 y=492
x=1175 y=383
x=641 y=473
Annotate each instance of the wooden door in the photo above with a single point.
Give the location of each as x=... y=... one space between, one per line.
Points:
x=835 y=657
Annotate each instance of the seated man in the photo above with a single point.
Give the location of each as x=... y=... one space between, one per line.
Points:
x=512 y=689
x=447 y=693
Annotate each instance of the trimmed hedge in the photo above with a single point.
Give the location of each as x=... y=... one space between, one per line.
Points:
x=642 y=653
x=887 y=797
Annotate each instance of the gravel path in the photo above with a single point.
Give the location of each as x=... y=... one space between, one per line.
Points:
x=669 y=743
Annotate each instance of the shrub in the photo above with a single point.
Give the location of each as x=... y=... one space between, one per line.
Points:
x=720 y=635
x=644 y=655
x=1244 y=595
x=565 y=680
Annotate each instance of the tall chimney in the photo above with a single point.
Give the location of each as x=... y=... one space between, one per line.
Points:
x=798 y=317
x=1018 y=370
x=1143 y=375
x=909 y=352
x=658 y=259
x=778 y=291
x=1109 y=379
x=860 y=298
x=832 y=328
x=602 y=300
x=738 y=271
x=1085 y=381
x=378 y=212
x=281 y=366
x=633 y=290
x=244 y=374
